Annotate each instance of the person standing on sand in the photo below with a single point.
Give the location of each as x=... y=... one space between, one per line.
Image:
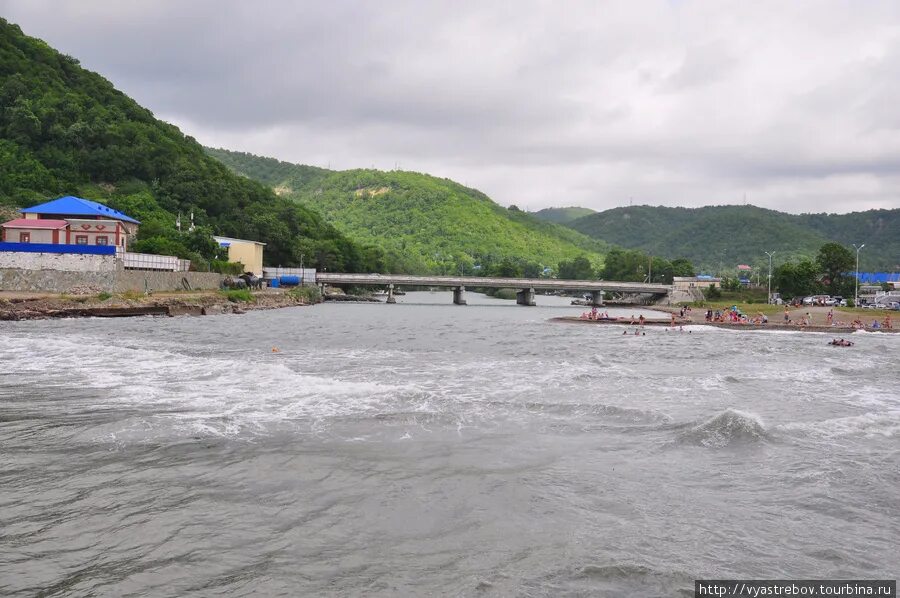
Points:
x=787 y=316
x=829 y=319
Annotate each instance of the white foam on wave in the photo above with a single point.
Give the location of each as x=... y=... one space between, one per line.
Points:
x=209 y=394
x=726 y=428
x=886 y=424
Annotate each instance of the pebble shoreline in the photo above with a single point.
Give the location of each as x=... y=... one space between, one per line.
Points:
x=90 y=307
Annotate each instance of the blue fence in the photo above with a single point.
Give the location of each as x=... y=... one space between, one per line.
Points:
x=877 y=277
x=51 y=248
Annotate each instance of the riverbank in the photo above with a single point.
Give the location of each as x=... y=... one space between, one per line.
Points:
x=33 y=306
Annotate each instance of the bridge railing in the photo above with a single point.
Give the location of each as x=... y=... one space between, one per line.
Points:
x=475 y=281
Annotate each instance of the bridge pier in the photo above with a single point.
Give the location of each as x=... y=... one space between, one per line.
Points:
x=459 y=295
x=597 y=298
x=525 y=297
x=390 y=297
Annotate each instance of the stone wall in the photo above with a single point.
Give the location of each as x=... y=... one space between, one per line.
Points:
x=141 y=280
x=116 y=281
x=65 y=262
x=55 y=281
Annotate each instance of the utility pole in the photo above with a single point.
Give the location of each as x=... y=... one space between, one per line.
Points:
x=770 y=274
x=856 y=292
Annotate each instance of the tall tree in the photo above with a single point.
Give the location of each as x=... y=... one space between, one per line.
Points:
x=577 y=269
x=835 y=262
x=797 y=280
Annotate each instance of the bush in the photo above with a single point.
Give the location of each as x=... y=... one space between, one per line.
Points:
x=307 y=293
x=851 y=303
x=103 y=296
x=238 y=295
x=712 y=292
x=226 y=267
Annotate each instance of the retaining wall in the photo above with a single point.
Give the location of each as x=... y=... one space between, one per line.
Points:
x=58 y=262
x=141 y=280
x=54 y=281
x=116 y=281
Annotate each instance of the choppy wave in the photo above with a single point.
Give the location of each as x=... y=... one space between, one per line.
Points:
x=725 y=429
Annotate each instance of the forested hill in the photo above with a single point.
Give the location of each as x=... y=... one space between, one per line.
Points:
x=731 y=235
x=424 y=223
x=67 y=131
x=562 y=215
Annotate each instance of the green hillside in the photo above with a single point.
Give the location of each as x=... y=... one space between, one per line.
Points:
x=424 y=223
x=67 y=131
x=715 y=236
x=562 y=215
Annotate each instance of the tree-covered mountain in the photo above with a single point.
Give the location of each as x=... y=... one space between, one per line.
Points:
x=424 y=223
x=562 y=215
x=716 y=236
x=67 y=131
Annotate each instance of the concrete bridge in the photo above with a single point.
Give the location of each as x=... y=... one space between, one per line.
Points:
x=524 y=296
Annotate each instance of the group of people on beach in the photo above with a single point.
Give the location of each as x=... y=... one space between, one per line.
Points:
x=735 y=316
x=886 y=324
x=857 y=323
x=595 y=314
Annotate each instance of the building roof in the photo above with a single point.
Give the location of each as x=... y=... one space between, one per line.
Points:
x=226 y=241
x=25 y=223
x=76 y=206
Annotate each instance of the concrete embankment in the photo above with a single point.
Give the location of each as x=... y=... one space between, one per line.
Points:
x=176 y=304
x=110 y=280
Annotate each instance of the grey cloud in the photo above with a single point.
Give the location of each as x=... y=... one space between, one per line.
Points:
x=535 y=103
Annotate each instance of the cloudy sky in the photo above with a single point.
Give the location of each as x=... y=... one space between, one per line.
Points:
x=789 y=105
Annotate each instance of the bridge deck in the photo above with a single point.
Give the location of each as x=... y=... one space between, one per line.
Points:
x=475 y=281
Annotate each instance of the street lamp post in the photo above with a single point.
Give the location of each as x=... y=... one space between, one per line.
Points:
x=856 y=292
x=770 y=274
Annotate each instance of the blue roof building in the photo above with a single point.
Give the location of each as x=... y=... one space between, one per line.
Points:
x=70 y=221
x=75 y=207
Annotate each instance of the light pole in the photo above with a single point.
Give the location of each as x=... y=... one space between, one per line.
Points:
x=856 y=292
x=301 y=270
x=770 y=274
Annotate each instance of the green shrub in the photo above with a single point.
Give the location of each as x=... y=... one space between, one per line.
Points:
x=103 y=296
x=309 y=294
x=226 y=267
x=712 y=292
x=238 y=295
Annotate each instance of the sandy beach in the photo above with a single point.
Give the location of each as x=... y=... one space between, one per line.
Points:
x=842 y=322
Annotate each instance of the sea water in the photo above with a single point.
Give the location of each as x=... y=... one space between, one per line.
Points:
x=430 y=449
